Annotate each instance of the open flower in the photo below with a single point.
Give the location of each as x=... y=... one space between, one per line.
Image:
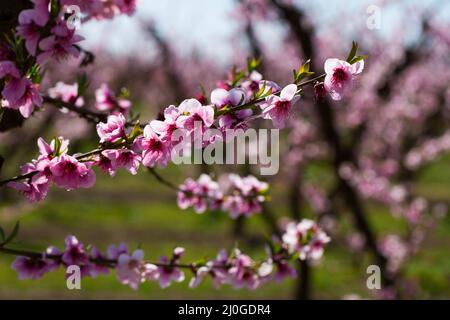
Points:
x=35 y=189
x=30 y=268
x=74 y=253
x=277 y=108
x=71 y=174
x=113 y=129
x=60 y=44
x=31 y=22
x=242 y=273
x=166 y=128
x=67 y=93
x=339 y=76
x=129 y=269
x=21 y=94
x=306 y=239
x=8 y=68
x=170 y=273
x=194 y=114
x=122 y=158
x=221 y=97
x=155 y=150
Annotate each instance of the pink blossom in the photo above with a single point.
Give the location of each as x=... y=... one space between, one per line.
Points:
x=8 y=68
x=114 y=252
x=284 y=270
x=166 y=128
x=221 y=97
x=199 y=276
x=29 y=268
x=193 y=113
x=196 y=194
x=235 y=120
x=31 y=23
x=122 y=158
x=170 y=273
x=113 y=129
x=35 y=189
x=105 y=100
x=188 y=197
x=339 y=76
x=129 y=269
x=22 y=95
x=67 y=93
x=252 y=85
x=74 y=253
x=155 y=150
x=126 y=6
x=60 y=44
x=277 y=108
x=306 y=239
x=242 y=272
x=96 y=269
x=69 y=173
x=46 y=150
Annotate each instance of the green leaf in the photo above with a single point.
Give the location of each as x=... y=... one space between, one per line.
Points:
x=353 y=51
x=13 y=234
x=56 y=151
x=83 y=83
x=261 y=91
x=252 y=64
x=137 y=131
x=303 y=72
x=1 y=113
x=124 y=93
x=358 y=58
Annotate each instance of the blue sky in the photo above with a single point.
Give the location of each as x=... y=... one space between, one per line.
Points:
x=207 y=25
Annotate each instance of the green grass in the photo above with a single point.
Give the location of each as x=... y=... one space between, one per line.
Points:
x=138 y=210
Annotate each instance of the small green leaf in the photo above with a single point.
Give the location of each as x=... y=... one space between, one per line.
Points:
x=13 y=234
x=353 y=51
x=252 y=64
x=303 y=72
x=1 y=113
x=137 y=131
x=124 y=93
x=56 y=151
x=358 y=58
x=83 y=83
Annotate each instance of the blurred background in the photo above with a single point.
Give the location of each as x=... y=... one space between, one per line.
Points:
x=391 y=136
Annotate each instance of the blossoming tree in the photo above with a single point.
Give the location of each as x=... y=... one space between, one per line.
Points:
x=45 y=32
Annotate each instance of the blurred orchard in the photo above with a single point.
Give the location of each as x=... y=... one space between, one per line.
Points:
x=364 y=173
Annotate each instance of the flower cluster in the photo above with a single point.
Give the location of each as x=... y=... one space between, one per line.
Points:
x=153 y=146
x=234 y=268
x=19 y=92
x=305 y=239
x=58 y=43
x=232 y=193
x=53 y=165
x=47 y=35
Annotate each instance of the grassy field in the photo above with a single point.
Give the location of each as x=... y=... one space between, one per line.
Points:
x=142 y=212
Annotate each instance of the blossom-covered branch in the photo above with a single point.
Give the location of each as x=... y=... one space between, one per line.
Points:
x=304 y=241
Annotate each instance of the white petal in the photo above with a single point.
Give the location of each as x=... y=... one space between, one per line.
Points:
x=288 y=92
x=330 y=64
x=219 y=96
